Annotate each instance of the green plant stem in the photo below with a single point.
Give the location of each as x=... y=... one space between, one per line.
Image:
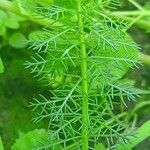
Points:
x=134 y=121
x=107 y=123
x=85 y=109
x=140 y=106
x=131 y=13
x=137 y=5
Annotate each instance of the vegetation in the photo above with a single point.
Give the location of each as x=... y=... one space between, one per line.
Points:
x=93 y=87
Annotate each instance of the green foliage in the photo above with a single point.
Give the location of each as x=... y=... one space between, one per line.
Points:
x=32 y=139
x=1 y=144
x=86 y=58
x=8 y=20
x=142 y=134
x=17 y=40
x=99 y=147
x=29 y=140
x=1 y=66
x=27 y=6
x=65 y=3
x=147 y=18
x=16 y=89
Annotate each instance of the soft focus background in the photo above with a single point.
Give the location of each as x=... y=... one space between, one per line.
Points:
x=18 y=87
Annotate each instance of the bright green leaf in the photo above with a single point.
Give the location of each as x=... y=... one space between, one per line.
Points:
x=27 y=141
x=13 y=21
x=17 y=40
x=100 y=146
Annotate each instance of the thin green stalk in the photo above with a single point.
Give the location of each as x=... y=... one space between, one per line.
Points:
x=131 y=13
x=141 y=23
x=137 y=5
x=85 y=109
x=140 y=106
x=134 y=21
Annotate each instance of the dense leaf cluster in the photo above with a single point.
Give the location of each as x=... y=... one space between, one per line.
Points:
x=60 y=63
x=83 y=54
